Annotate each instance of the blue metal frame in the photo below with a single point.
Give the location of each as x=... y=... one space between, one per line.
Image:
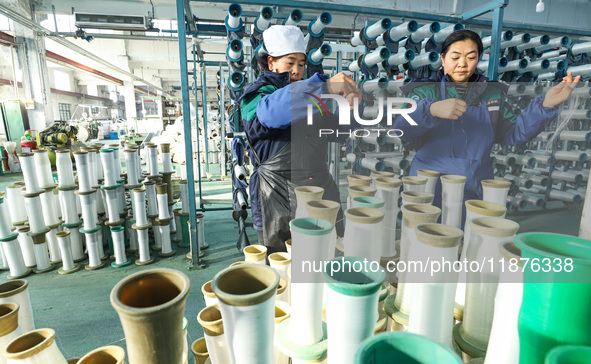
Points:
x=340 y=8
x=495 y=44
x=197 y=108
x=483 y=9
x=204 y=99
x=180 y=13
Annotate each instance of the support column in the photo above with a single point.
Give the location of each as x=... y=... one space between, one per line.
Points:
x=130 y=109
x=32 y=62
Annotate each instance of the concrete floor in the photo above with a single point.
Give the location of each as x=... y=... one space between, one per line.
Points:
x=78 y=308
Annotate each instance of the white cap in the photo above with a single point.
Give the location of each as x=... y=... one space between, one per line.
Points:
x=284 y=39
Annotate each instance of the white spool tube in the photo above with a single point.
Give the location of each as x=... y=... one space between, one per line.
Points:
x=375 y=85
x=506 y=35
x=68 y=203
x=424 y=59
x=108 y=163
x=201 y=231
x=166 y=163
x=34 y=211
x=5 y=225
x=93 y=164
x=542 y=40
x=516 y=40
x=538 y=67
x=54 y=249
x=130 y=163
x=27 y=248
x=117 y=158
x=63 y=239
x=439 y=291
x=316 y=56
x=151 y=198
x=112 y=200
x=49 y=208
x=42 y=256
x=173 y=220
x=133 y=245
x=483 y=65
x=441 y=35
x=92 y=245
x=162 y=199
x=153 y=157
x=516 y=65
x=317 y=25
x=16 y=204
x=28 y=167
x=305 y=326
x=118 y=236
x=14 y=257
x=164 y=232
x=157 y=238
x=65 y=172
x=294 y=18
x=139 y=203
x=356 y=39
x=583 y=70
x=121 y=198
x=184 y=196
x=452 y=197
x=76 y=243
x=401 y=58
x=263 y=20
x=377 y=28
x=43 y=168
x=355 y=65
x=580 y=48
x=82 y=168
x=403 y=30
x=143 y=245
x=233 y=18
x=179 y=230
x=89 y=214
x=240 y=172
x=425 y=31
x=559 y=42
x=376 y=56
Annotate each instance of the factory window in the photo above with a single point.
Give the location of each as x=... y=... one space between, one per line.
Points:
x=62 y=80
x=64 y=112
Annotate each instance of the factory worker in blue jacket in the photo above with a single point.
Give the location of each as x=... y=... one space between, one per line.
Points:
x=461 y=114
x=272 y=107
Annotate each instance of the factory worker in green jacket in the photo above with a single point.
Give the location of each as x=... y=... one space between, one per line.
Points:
x=461 y=114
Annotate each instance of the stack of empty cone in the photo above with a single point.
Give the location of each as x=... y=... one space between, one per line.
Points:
x=152 y=160
x=37 y=227
x=112 y=193
x=88 y=202
x=18 y=217
x=10 y=245
x=163 y=222
x=141 y=225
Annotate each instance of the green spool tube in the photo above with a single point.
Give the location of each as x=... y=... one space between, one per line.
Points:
x=404 y=348
x=569 y=354
x=556 y=307
x=185 y=229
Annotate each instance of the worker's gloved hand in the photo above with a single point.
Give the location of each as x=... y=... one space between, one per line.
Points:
x=341 y=84
x=448 y=109
x=561 y=92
